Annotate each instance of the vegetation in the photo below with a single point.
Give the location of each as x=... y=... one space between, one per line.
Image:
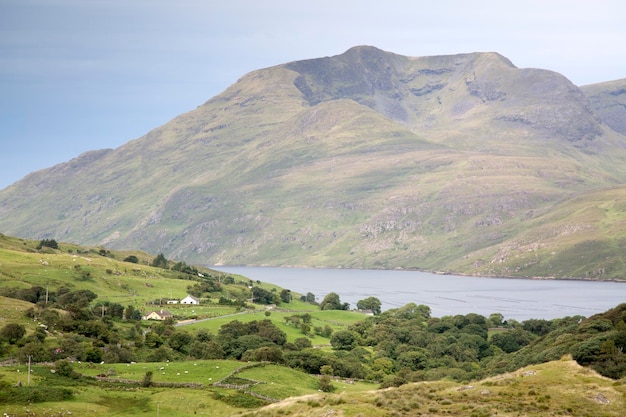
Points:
x=559 y=388
x=238 y=357
x=370 y=303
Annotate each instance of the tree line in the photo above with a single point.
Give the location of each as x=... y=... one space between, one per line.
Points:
x=393 y=347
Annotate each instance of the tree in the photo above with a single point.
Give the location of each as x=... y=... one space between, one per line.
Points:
x=130 y=313
x=343 y=340
x=370 y=303
x=80 y=298
x=35 y=350
x=326 y=384
x=261 y=296
x=285 y=296
x=332 y=302
x=308 y=298
x=132 y=259
x=302 y=343
x=48 y=243
x=12 y=332
x=64 y=368
x=147 y=379
x=538 y=327
x=266 y=354
x=413 y=360
x=180 y=341
x=160 y=261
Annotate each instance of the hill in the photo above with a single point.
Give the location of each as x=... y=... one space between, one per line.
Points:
x=555 y=388
x=367 y=159
x=70 y=310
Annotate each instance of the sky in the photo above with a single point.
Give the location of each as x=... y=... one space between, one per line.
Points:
x=80 y=75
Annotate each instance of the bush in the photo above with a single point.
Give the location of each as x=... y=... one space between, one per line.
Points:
x=132 y=259
x=48 y=243
x=147 y=379
x=34 y=394
x=63 y=368
x=242 y=400
x=343 y=340
x=326 y=384
x=12 y=332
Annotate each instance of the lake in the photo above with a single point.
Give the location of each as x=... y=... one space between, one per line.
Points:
x=519 y=299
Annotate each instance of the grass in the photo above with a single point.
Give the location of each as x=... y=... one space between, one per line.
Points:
x=108 y=398
x=281 y=382
x=196 y=372
x=554 y=388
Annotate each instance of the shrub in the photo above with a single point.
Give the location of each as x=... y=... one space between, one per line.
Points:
x=343 y=340
x=48 y=243
x=64 y=368
x=147 y=379
x=132 y=259
x=12 y=332
x=326 y=384
x=33 y=394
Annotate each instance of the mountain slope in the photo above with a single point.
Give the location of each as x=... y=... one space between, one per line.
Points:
x=609 y=101
x=365 y=159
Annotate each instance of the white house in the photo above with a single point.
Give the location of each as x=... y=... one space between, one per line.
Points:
x=158 y=315
x=190 y=299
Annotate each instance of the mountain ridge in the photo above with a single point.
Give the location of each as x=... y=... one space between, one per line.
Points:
x=366 y=159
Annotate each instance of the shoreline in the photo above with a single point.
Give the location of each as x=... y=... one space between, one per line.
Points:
x=443 y=273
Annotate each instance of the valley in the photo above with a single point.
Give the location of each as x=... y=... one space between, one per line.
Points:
x=73 y=341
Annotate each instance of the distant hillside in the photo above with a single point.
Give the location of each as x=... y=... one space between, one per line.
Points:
x=460 y=163
x=609 y=101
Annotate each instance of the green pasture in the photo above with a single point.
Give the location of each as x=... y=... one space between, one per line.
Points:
x=197 y=372
x=335 y=319
x=282 y=382
x=91 y=397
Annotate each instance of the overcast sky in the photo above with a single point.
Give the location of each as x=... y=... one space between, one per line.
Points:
x=79 y=75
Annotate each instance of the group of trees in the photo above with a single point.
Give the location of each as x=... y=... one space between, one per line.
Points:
x=332 y=302
x=48 y=243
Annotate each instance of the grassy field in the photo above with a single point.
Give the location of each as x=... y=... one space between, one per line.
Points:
x=115 y=398
x=334 y=319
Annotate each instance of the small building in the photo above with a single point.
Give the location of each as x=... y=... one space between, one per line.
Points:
x=190 y=299
x=158 y=315
x=172 y=301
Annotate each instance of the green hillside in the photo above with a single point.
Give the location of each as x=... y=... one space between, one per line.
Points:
x=366 y=159
x=580 y=237
x=252 y=348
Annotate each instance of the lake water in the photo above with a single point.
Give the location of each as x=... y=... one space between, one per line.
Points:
x=519 y=299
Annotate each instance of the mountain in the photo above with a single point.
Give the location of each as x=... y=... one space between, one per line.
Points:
x=609 y=101
x=368 y=159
